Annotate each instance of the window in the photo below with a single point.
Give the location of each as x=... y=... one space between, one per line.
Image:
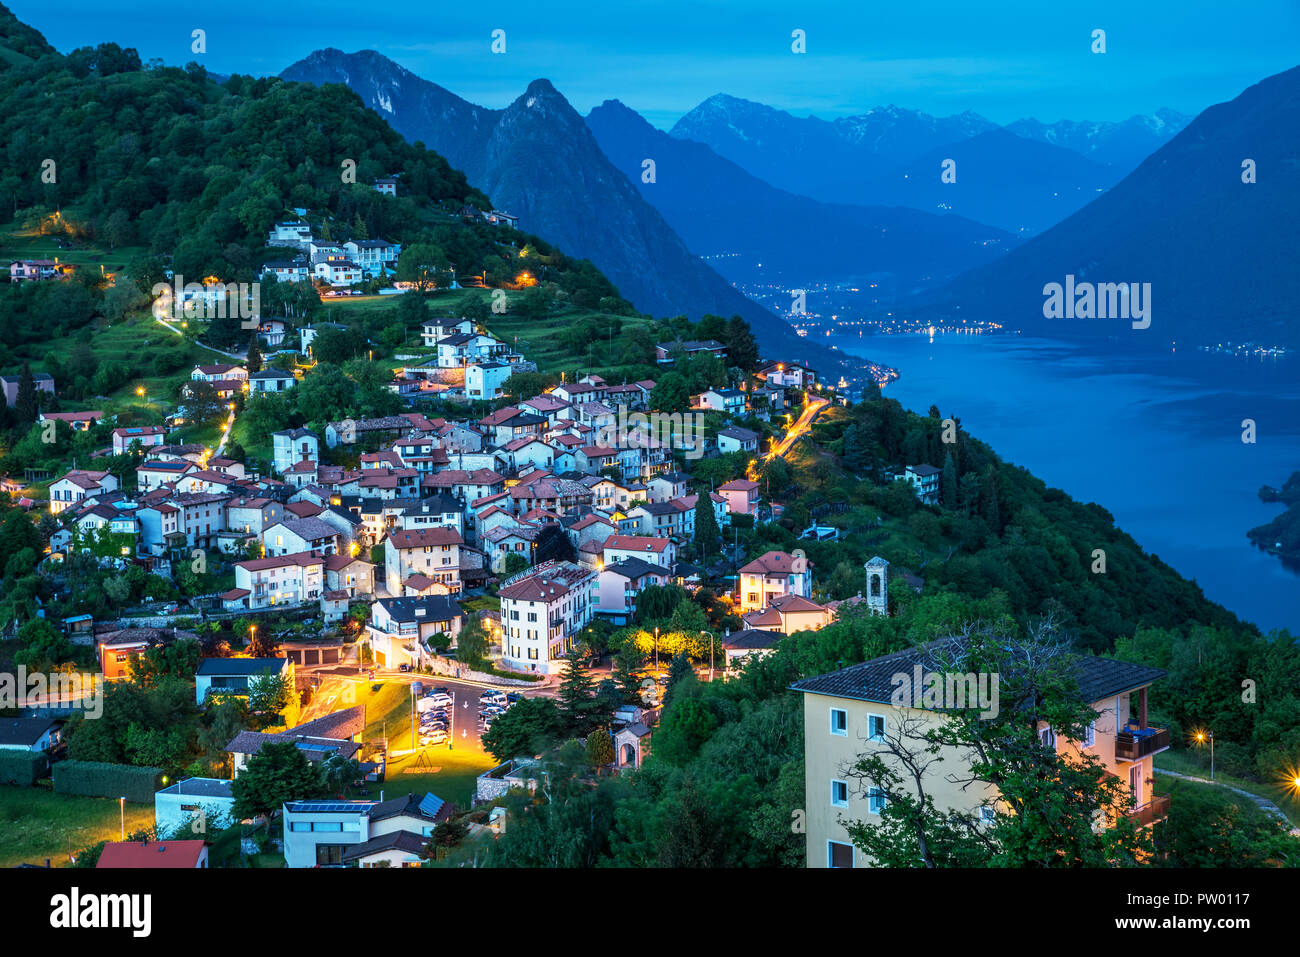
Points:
x=1090 y=735
x=875 y=727
x=987 y=815
x=875 y=800
x=839 y=855
x=840 y=793
x=1047 y=737
x=839 y=722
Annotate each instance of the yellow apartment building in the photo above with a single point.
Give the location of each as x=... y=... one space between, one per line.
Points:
x=846 y=710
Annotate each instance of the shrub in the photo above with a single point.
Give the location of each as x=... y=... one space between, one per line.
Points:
x=22 y=768
x=98 y=779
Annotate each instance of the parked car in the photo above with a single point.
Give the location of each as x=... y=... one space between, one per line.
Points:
x=439 y=697
x=403 y=667
x=492 y=695
x=435 y=737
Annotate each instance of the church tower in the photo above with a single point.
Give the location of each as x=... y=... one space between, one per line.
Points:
x=878 y=586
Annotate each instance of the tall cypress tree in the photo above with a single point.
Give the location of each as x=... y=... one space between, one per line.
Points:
x=742 y=348
x=948 y=487
x=254 y=359
x=25 y=404
x=575 y=693
x=706 y=525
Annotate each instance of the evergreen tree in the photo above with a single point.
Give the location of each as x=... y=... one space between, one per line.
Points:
x=989 y=499
x=575 y=694
x=856 y=454
x=553 y=544
x=948 y=483
x=600 y=749
x=254 y=359
x=678 y=672
x=706 y=525
x=742 y=348
x=25 y=407
x=627 y=672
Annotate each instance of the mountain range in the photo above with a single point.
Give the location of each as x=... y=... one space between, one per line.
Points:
x=1123 y=145
x=1022 y=179
x=537 y=159
x=817 y=201
x=717 y=207
x=1217 y=250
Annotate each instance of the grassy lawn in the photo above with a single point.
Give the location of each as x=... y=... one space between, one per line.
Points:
x=538 y=339
x=450 y=774
x=482 y=603
x=29 y=244
x=130 y=341
x=1192 y=763
x=36 y=824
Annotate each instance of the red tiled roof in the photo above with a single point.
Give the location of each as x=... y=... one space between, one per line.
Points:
x=419 y=538
x=151 y=854
x=641 y=543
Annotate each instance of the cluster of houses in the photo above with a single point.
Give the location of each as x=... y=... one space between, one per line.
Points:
x=450 y=502
x=328 y=263
x=456 y=503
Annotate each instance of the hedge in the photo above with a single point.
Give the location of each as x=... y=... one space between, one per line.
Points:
x=23 y=768
x=97 y=779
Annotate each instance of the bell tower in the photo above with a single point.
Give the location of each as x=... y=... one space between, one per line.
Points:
x=878 y=585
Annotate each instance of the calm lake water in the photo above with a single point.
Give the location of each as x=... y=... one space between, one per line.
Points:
x=1155 y=439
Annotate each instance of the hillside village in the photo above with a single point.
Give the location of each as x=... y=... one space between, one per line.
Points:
x=383 y=539
x=393 y=525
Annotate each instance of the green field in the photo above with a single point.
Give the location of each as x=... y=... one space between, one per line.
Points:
x=450 y=774
x=1198 y=765
x=538 y=339
x=36 y=823
x=29 y=244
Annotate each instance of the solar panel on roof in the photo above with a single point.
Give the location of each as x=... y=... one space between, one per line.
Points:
x=430 y=805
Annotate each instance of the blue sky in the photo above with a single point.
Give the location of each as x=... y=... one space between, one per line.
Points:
x=1021 y=58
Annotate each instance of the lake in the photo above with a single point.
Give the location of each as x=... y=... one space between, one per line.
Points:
x=1156 y=439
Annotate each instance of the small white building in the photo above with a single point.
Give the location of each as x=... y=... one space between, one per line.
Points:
x=270 y=380
x=291 y=446
x=485 y=380
x=338 y=272
x=198 y=806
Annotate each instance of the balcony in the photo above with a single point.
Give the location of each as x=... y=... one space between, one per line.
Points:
x=1154 y=810
x=1135 y=744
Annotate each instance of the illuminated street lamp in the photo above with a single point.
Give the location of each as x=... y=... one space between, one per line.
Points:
x=656 y=650
x=1200 y=739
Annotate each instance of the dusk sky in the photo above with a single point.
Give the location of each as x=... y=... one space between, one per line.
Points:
x=1022 y=58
